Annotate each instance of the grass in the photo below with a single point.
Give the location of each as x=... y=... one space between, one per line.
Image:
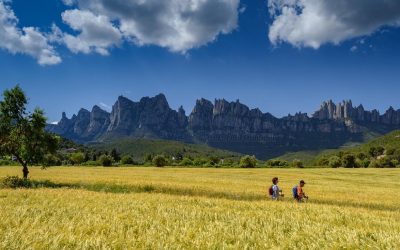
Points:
x=147 y=208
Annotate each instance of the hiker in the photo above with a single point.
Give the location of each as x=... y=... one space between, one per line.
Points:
x=274 y=190
x=298 y=192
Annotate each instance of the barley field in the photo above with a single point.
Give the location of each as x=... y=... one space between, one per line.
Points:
x=176 y=208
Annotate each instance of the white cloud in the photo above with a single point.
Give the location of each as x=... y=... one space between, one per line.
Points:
x=312 y=23
x=97 y=33
x=105 y=106
x=179 y=25
x=26 y=40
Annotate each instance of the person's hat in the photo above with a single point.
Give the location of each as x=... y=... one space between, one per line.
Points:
x=302 y=181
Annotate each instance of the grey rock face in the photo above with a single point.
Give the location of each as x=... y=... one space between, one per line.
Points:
x=229 y=125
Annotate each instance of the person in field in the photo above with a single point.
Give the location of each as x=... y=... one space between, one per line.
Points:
x=298 y=192
x=274 y=191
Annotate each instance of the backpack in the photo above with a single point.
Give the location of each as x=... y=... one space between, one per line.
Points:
x=271 y=191
x=294 y=190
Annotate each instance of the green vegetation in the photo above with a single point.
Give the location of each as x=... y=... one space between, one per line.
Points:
x=383 y=152
x=186 y=208
x=160 y=161
x=23 y=134
x=140 y=148
x=248 y=162
x=106 y=160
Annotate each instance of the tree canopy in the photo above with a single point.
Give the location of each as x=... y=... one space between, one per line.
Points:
x=22 y=134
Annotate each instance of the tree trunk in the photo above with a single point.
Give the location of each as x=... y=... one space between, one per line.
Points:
x=25 y=171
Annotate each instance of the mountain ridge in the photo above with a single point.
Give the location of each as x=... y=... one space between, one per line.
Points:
x=227 y=125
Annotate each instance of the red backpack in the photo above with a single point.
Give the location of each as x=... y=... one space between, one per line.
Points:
x=271 y=191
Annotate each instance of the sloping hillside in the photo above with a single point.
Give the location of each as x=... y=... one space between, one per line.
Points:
x=138 y=148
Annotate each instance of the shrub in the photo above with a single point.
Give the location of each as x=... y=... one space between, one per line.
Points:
x=248 y=162
x=186 y=162
x=127 y=160
x=159 y=161
x=106 y=160
x=335 y=162
x=91 y=163
x=4 y=162
x=15 y=182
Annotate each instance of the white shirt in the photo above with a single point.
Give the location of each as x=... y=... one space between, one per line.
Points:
x=275 y=192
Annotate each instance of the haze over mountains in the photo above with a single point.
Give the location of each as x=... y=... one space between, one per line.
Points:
x=228 y=125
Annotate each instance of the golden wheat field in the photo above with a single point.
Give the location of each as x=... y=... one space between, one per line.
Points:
x=174 y=208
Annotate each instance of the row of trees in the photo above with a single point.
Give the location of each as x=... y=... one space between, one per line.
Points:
x=374 y=157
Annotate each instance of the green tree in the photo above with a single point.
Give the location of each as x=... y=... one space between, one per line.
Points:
x=335 y=162
x=349 y=161
x=376 y=151
x=159 y=161
x=23 y=134
x=248 y=162
x=186 y=162
x=77 y=158
x=115 y=155
x=106 y=160
x=126 y=160
x=297 y=164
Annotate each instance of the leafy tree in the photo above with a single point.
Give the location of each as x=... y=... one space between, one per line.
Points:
x=277 y=163
x=115 y=155
x=23 y=134
x=199 y=162
x=376 y=151
x=106 y=160
x=248 y=162
x=335 y=162
x=297 y=164
x=126 y=160
x=77 y=158
x=51 y=160
x=148 y=158
x=214 y=160
x=186 y=162
x=361 y=156
x=349 y=161
x=159 y=161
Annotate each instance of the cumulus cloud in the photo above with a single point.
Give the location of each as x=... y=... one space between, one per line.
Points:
x=178 y=25
x=97 y=33
x=26 y=40
x=311 y=23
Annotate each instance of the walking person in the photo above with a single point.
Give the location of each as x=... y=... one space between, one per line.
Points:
x=274 y=191
x=298 y=192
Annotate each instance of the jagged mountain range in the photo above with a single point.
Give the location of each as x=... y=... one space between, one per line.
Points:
x=227 y=125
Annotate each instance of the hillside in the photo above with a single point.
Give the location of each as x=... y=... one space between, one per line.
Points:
x=138 y=148
x=384 y=151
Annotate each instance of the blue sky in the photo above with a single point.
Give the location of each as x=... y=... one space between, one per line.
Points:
x=265 y=56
